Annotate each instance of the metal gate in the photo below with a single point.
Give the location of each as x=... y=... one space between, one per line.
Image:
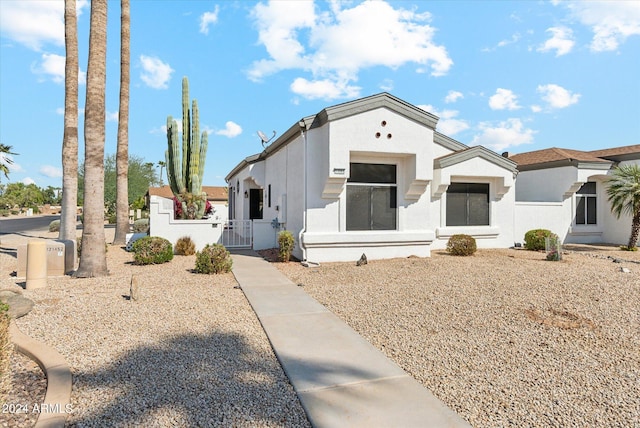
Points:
x=237 y=234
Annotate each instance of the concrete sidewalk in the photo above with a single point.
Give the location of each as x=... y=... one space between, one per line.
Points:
x=340 y=378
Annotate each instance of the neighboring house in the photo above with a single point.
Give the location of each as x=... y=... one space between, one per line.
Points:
x=216 y=195
x=565 y=191
x=373 y=176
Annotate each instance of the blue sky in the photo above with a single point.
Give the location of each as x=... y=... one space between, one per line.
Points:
x=510 y=75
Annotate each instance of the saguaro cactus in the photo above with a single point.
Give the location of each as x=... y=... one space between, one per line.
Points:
x=185 y=170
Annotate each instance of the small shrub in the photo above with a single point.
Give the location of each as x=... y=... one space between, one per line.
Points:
x=534 y=239
x=141 y=225
x=54 y=226
x=112 y=218
x=152 y=250
x=625 y=248
x=213 y=259
x=5 y=352
x=185 y=246
x=285 y=245
x=461 y=245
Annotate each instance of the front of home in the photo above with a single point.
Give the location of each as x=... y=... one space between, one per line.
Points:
x=373 y=176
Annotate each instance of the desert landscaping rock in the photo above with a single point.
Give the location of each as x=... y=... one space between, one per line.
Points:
x=19 y=305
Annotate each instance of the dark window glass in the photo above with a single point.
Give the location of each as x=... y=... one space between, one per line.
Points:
x=468 y=204
x=372 y=173
x=369 y=205
x=580 y=210
x=591 y=210
x=588 y=188
x=586 y=204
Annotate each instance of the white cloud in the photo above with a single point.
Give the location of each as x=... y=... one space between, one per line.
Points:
x=231 y=130
x=155 y=73
x=207 y=19
x=453 y=96
x=35 y=23
x=28 y=180
x=510 y=133
x=611 y=22
x=448 y=123
x=296 y=37
x=556 y=96
x=50 y=171
x=502 y=43
x=561 y=41
x=51 y=65
x=326 y=89
x=387 y=85
x=504 y=99
x=112 y=116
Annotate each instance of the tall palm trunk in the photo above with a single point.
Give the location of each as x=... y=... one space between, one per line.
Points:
x=93 y=260
x=635 y=231
x=122 y=155
x=68 y=219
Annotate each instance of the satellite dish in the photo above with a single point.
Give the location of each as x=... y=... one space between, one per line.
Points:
x=264 y=138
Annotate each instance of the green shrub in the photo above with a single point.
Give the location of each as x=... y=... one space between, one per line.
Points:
x=534 y=239
x=112 y=218
x=54 y=226
x=141 y=225
x=213 y=259
x=461 y=245
x=152 y=250
x=285 y=245
x=5 y=352
x=185 y=246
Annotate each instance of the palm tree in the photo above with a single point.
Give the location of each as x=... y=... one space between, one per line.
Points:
x=5 y=161
x=162 y=165
x=122 y=153
x=624 y=196
x=93 y=260
x=69 y=217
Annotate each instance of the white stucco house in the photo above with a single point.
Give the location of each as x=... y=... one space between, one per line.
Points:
x=373 y=176
x=564 y=191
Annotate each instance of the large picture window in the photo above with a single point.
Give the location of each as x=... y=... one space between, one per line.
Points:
x=468 y=204
x=586 y=204
x=371 y=197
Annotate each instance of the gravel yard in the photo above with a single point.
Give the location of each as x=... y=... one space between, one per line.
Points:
x=505 y=338
x=190 y=352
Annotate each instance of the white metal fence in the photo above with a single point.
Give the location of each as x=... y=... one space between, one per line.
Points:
x=237 y=234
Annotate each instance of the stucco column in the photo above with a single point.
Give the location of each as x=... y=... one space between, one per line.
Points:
x=36 y=264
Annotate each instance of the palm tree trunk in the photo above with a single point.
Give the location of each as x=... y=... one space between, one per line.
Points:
x=122 y=155
x=93 y=260
x=68 y=218
x=635 y=231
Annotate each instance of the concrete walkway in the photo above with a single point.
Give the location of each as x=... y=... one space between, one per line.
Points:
x=340 y=378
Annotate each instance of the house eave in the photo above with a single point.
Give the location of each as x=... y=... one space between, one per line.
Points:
x=383 y=100
x=602 y=166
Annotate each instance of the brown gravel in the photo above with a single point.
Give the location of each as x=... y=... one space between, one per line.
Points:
x=504 y=337
x=29 y=386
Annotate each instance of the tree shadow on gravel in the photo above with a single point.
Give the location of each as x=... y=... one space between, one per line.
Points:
x=217 y=379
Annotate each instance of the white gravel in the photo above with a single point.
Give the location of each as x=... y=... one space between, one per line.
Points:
x=505 y=338
x=190 y=352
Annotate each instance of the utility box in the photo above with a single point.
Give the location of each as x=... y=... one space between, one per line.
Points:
x=61 y=258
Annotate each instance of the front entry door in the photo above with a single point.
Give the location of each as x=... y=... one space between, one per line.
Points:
x=255 y=204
